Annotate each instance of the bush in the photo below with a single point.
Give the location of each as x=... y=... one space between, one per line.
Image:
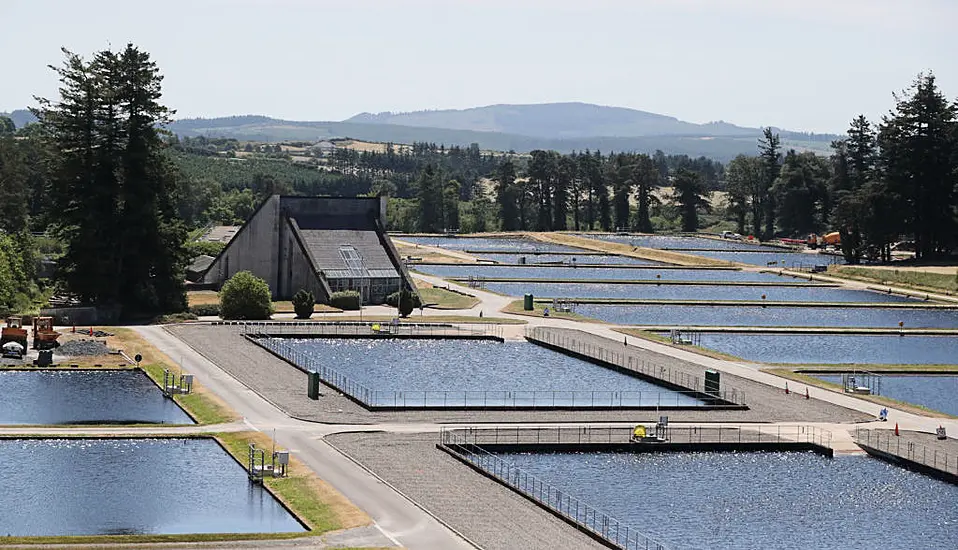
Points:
x=245 y=296
x=406 y=303
x=303 y=302
x=393 y=299
x=199 y=248
x=345 y=300
x=205 y=310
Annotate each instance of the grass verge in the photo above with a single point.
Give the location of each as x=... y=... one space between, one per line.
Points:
x=653 y=337
x=622 y=249
x=314 y=501
x=517 y=308
x=440 y=298
x=211 y=297
x=434 y=319
x=202 y=405
x=913 y=408
x=923 y=281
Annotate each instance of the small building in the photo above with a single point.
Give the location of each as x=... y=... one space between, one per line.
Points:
x=321 y=244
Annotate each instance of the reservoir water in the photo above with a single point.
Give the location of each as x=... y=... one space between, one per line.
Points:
x=691 y=292
x=936 y=392
x=793 y=500
x=678 y=242
x=576 y=273
x=55 y=487
x=836 y=348
x=758 y=316
x=453 y=373
x=506 y=244
x=85 y=397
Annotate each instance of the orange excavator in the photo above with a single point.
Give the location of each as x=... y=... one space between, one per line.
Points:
x=44 y=337
x=828 y=239
x=14 y=332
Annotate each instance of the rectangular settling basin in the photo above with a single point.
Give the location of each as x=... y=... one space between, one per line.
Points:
x=752 y=500
x=835 y=348
x=59 y=487
x=935 y=391
x=410 y=373
x=126 y=396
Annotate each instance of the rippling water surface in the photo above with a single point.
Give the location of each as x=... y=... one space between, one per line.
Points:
x=757 y=316
x=85 y=397
x=936 y=392
x=836 y=348
x=131 y=486
x=476 y=366
x=758 y=501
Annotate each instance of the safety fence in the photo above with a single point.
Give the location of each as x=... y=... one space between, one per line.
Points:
x=683 y=434
x=555 y=499
x=588 y=346
x=371 y=329
x=887 y=442
x=480 y=399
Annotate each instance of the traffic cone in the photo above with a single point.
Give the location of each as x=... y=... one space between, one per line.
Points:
x=896 y=429
x=786 y=388
x=91 y=331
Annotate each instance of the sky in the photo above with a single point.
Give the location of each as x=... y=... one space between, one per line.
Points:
x=807 y=65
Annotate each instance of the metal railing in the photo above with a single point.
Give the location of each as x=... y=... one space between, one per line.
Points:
x=579 y=435
x=627 y=361
x=915 y=452
x=482 y=399
x=557 y=500
x=369 y=328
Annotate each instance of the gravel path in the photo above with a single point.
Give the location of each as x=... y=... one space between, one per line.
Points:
x=285 y=386
x=491 y=515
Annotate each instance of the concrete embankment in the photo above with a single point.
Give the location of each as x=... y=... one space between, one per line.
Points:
x=917 y=451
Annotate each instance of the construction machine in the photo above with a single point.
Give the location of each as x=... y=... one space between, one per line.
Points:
x=44 y=337
x=828 y=239
x=14 y=332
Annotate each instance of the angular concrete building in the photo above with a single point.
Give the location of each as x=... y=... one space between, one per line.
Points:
x=322 y=244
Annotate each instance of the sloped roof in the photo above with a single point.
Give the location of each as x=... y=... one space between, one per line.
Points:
x=325 y=247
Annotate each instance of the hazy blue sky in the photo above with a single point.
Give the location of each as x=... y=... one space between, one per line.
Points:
x=802 y=64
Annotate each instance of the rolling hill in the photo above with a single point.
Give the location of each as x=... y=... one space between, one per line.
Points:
x=564 y=127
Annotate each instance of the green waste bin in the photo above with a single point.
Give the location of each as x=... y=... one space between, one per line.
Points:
x=712 y=382
x=527 y=303
x=312 y=390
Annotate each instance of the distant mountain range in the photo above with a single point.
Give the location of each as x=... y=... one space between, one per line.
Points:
x=561 y=126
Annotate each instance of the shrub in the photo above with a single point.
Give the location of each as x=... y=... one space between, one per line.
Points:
x=303 y=302
x=204 y=310
x=406 y=303
x=393 y=299
x=245 y=296
x=199 y=248
x=345 y=300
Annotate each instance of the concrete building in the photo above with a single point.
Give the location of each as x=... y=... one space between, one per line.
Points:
x=322 y=244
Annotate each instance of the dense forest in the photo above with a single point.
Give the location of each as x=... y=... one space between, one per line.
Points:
x=98 y=185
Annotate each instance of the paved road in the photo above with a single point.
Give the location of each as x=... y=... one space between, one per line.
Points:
x=396 y=516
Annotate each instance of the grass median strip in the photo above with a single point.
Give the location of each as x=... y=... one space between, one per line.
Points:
x=810 y=380
x=517 y=308
x=317 y=504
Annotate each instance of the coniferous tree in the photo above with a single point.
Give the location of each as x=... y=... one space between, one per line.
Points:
x=917 y=142
x=689 y=196
x=507 y=196
x=430 y=200
x=769 y=147
x=646 y=178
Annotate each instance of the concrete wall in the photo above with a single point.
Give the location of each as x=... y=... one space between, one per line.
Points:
x=253 y=249
x=296 y=269
x=267 y=246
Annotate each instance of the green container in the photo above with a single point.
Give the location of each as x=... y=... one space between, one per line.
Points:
x=312 y=390
x=527 y=303
x=711 y=381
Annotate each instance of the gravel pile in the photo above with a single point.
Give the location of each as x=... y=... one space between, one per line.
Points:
x=83 y=347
